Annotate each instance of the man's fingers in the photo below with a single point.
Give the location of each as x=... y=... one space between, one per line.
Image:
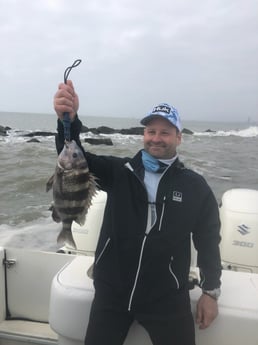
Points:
x=66 y=100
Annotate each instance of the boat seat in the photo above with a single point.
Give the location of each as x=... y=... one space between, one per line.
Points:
x=27 y=332
x=70 y=299
x=71 y=295
x=72 y=292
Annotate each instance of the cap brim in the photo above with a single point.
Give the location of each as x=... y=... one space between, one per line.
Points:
x=148 y=118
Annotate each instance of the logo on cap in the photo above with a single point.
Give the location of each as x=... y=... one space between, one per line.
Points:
x=162 y=108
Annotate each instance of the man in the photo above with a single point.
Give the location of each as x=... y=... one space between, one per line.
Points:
x=142 y=258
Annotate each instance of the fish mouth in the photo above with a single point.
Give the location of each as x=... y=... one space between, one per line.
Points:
x=69 y=167
x=83 y=165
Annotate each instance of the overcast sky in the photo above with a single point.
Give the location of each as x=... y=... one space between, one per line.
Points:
x=199 y=55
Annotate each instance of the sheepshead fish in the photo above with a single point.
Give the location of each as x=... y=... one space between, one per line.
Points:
x=73 y=188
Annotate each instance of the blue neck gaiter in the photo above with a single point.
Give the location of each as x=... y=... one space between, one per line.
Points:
x=152 y=164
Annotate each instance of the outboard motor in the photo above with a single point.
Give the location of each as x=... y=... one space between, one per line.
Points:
x=239 y=230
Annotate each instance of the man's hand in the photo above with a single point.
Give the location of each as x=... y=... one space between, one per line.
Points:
x=206 y=312
x=66 y=100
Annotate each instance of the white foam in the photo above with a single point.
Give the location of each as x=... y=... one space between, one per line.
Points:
x=40 y=233
x=245 y=133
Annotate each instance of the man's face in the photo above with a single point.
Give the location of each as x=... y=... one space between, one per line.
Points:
x=161 y=138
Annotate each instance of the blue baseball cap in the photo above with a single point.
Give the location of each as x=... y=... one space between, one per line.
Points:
x=167 y=112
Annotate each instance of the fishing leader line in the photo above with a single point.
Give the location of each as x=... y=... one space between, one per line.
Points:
x=66 y=118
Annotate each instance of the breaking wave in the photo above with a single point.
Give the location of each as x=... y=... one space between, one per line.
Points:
x=249 y=132
x=15 y=136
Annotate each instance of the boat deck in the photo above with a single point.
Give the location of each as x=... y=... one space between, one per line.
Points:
x=29 y=332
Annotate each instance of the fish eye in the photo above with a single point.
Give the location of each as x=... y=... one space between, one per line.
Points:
x=75 y=155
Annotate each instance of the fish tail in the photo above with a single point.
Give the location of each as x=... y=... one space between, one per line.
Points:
x=65 y=236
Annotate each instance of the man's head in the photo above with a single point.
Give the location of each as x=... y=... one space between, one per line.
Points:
x=162 y=133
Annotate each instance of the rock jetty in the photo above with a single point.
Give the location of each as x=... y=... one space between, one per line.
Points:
x=3 y=130
x=96 y=131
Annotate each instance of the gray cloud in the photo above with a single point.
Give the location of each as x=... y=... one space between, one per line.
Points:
x=199 y=55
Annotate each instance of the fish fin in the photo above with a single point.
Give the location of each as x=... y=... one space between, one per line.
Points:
x=50 y=182
x=81 y=219
x=66 y=236
x=55 y=215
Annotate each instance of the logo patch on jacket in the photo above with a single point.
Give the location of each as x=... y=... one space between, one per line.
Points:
x=177 y=196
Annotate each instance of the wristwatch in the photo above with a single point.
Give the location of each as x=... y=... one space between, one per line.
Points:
x=215 y=293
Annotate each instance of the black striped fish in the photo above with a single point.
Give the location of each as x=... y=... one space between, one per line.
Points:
x=73 y=188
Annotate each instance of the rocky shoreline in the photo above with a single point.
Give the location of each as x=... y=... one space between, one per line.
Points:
x=96 y=131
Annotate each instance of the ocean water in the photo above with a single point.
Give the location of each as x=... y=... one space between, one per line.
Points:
x=226 y=157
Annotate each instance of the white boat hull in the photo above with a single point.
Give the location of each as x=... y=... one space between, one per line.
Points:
x=25 y=293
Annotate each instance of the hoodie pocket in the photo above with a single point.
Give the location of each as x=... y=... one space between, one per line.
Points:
x=102 y=251
x=170 y=267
